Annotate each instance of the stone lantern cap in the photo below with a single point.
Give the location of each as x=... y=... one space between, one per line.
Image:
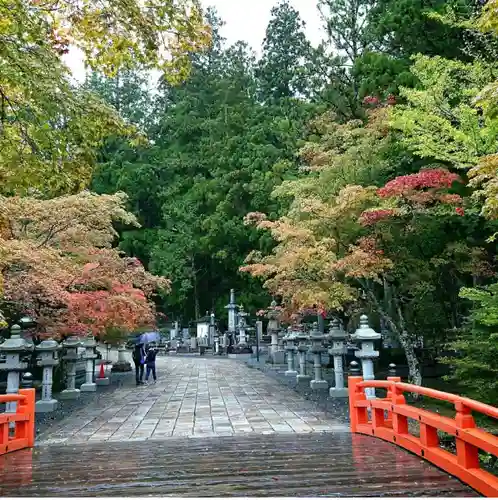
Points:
x=48 y=345
x=364 y=332
x=72 y=343
x=88 y=342
x=16 y=343
x=336 y=332
x=316 y=338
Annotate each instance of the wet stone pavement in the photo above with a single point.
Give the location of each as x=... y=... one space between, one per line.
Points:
x=194 y=397
x=213 y=427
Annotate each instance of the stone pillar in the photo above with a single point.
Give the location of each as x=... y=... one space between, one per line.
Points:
x=367 y=336
x=89 y=344
x=290 y=348
x=71 y=345
x=13 y=349
x=302 y=348
x=122 y=365
x=215 y=334
x=392 y=370
x=242 y=327
x=232 y=312
x=317 y=348
x=47 y=358
x=338 y=337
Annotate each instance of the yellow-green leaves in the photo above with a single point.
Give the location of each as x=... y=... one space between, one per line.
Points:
x=116 y=34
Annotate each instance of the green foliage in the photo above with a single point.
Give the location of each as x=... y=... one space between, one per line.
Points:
x=476 y=347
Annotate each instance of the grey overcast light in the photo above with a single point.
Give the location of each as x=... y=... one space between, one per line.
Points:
x=245 y=20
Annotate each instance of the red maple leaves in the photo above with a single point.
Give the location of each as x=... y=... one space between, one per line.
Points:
x=405 y=185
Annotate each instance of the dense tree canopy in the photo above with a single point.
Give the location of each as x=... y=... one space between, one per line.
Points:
x=359 y=175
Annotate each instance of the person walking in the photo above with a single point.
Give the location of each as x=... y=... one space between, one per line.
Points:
x=139 y=360
x=150 y=359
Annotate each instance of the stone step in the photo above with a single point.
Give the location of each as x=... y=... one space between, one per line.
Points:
x=329 y=464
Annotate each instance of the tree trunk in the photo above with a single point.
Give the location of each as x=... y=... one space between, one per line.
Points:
x=197 y=308
x=415 y=375
x=405 y=339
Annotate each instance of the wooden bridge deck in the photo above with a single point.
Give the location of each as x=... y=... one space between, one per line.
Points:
x=328 y=464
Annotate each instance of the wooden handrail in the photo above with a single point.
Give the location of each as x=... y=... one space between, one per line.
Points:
x=388 y=420
x=23 y=420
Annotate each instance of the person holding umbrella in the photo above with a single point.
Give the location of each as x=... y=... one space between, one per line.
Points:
x=139 y=360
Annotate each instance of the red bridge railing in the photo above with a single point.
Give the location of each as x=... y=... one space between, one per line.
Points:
x=388 y=420
x=23 y=435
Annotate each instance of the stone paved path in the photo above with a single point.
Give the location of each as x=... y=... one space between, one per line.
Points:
x=196 y=398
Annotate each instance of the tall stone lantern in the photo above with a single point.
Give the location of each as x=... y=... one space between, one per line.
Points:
x=242 y=327
x=13 y=349
x=302 y=349
x=232 y=313
x=317 y=349
x=291 y=350
x=273 y=328
x=71 y=357
x=367 y=336
x=89 y=356
x=48 y=358
x=338 y=336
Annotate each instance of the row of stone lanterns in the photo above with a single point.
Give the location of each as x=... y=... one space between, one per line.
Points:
x=336 y=337
x=15 y=349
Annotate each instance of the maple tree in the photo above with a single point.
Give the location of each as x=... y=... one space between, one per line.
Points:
x=59 y=265
x=50 y=130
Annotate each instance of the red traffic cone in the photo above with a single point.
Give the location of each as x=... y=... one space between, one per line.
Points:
x=102 y=373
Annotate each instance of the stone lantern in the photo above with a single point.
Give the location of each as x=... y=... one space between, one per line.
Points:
x=317 y=349
x=337 y=336
x=122 y=365
x=232 y=313
x=89 y=356
x=242 y=327
x=367 y=336
x=277 y=354
x=71 y=357
x=291 y=349
x=48 y=358
x=214 y=334
x=13 y=349
x=302 y=348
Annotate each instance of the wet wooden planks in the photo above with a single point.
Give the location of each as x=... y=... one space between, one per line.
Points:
x=328 y=464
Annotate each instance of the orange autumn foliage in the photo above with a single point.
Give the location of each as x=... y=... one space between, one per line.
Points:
x=58 y=264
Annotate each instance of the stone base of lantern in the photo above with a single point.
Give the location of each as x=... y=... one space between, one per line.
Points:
x=338 y=393
x=70 y=394
x=290 y=373
x=319 y=385
x=103 y=381
x=121 y=366
x=303 y=378
x=278 y=358
x=91 y=387
x=46 y=406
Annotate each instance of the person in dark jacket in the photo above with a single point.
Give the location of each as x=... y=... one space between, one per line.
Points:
x=139 y=360
x=150 y=359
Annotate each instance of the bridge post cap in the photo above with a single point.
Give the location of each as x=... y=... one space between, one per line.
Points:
x=364 y=332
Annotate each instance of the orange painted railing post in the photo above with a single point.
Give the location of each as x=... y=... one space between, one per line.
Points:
x=27 y=407
x=467 y=454
x=400 y=422
x=353 y=398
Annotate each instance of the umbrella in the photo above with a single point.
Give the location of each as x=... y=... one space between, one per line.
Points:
x=148 y=338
